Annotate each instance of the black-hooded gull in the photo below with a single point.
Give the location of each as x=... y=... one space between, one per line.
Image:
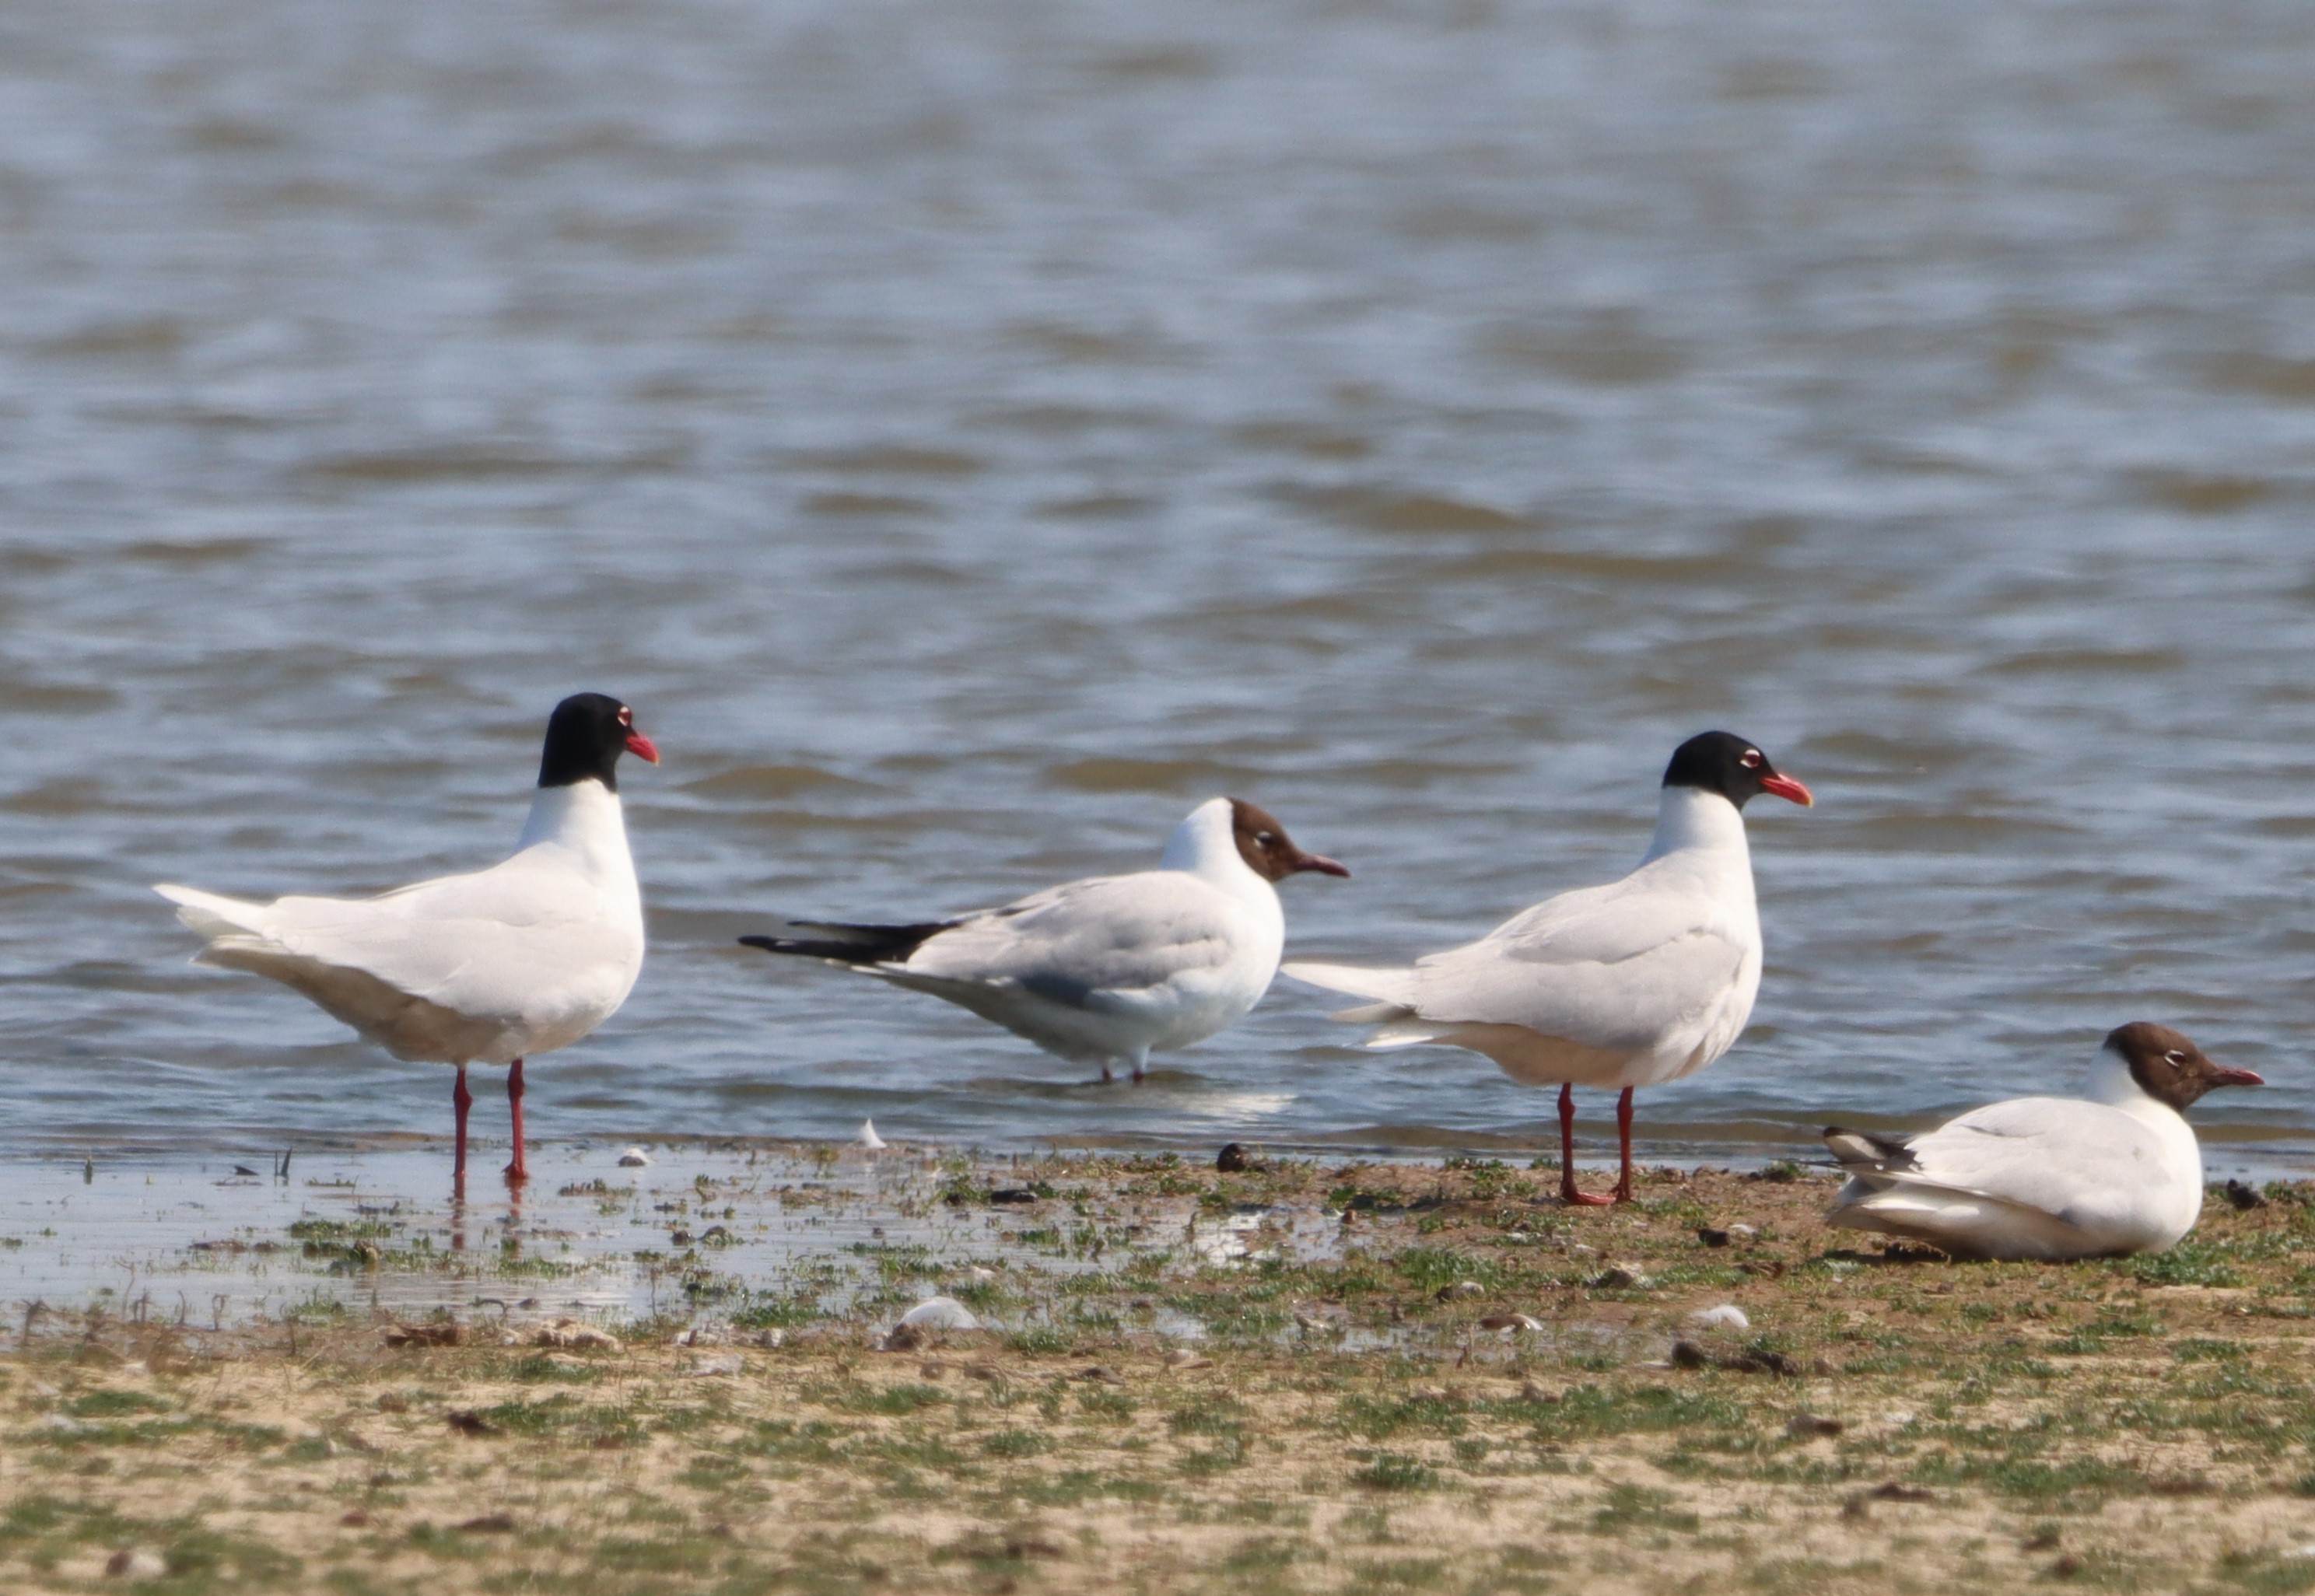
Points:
x=522 y=958
x=1631 y=984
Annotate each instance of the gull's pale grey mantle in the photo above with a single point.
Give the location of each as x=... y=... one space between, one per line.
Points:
x=1113 y=967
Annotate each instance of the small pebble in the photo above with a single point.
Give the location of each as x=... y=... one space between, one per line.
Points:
x=1813 y=1425
x=730 y=1363
x=940 y=1313
x=1510 y=1322
x=135 y=1563
x=573 y=1332
x=634 y=1158
x=1619 y=1277
x=1728 y=1314
x=929 y=1318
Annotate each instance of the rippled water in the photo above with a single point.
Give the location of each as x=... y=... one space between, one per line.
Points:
x=970 y=434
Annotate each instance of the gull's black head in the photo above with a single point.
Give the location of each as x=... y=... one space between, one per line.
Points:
x=585 y=737
x=1723 y=762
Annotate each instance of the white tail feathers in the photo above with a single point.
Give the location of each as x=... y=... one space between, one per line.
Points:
x=213 y=916
x=1394 y=987
x=1393 y=1012
x=1400 y=1029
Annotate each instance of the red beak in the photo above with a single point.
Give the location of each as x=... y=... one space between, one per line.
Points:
x=1786 y=787
x=2225 y=1077
x=642 y=747
x=1322 y=864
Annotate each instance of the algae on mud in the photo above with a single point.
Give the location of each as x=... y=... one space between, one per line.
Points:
x=1274 y=1380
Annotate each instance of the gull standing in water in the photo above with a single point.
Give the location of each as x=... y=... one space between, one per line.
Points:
x=1113 y=967
x=1631 y=984
x=491 y=968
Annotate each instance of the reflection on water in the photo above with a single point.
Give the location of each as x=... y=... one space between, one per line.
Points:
x=758 y=1237
x=972 y=435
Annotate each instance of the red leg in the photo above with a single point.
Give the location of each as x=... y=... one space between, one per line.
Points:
x=1568 y=1191
x=461 y=1100
x=1624 y=1137
x=517 y=1171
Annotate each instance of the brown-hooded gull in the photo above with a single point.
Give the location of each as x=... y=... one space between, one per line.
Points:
x=1113 y=967
x=2048 y=1177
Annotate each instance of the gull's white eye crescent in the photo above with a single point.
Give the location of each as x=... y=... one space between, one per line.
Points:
x=1751 y=760
x=2174 y=1057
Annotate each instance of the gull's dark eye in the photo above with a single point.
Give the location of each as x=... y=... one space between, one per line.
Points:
x=1751 y=760
x=2175 y=1057
x=1265 y=837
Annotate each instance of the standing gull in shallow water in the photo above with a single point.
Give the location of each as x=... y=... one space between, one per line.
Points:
x=1113 y=967
x=2048 y=1177
x=522 y=958
x=1643 y=980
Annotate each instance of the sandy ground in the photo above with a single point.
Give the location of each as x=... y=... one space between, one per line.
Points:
x=1301 y=1376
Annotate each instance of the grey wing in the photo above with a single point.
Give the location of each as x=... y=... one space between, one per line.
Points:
x=524 y=937
x=1103 y=938
x=1607 y=967
x=2084 y=1162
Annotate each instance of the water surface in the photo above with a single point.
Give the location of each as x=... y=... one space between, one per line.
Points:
x=971 y=434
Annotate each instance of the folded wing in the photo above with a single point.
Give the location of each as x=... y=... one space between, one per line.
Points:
x=1576 y=984
x=526 y=938
x=1104 y=942
x=2032 y=1177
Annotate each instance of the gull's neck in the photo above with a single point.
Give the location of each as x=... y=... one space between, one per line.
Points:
x=1691 y=818
x=2111 y=1083
x=585 y=818
x=1206 y=846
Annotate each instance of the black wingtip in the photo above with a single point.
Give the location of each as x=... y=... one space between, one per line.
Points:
x=848 y=943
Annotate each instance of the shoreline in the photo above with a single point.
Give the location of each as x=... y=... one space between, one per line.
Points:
x=1308 y=1376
